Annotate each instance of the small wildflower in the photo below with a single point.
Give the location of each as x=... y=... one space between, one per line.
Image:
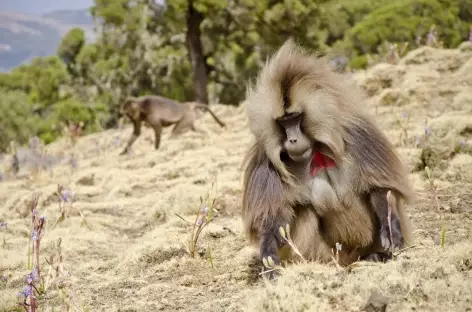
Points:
x=404 y=115
x=67 y=195
x=4 y=224
x=28 y=291
x=35 y=235
x=34 y=274
x=462 y=143
x=74 y=163
x=4 y=278
x=35 y=212
x=116 y=141
x=427 y=131
x=470 y=33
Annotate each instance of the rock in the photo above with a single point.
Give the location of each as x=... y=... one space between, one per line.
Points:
x=376 y=303
x=86 y=180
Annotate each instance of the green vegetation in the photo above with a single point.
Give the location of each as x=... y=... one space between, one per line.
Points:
x=203 y=50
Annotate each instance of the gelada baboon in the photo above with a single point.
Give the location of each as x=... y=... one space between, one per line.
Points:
x=159 y=112
x=319 y=164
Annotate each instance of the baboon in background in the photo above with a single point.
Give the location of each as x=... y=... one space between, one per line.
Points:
x=319 y=164
x=159 y=112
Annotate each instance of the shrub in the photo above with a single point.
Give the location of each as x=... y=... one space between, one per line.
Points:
x=16 y=118
x=405 y=20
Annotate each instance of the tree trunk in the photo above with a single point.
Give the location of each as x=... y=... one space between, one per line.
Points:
x=200 y=74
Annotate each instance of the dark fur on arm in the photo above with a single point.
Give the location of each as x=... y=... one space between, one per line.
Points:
x=379 y=165
x=263 y=203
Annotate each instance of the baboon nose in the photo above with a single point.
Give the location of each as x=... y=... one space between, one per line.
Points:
x=293 y=141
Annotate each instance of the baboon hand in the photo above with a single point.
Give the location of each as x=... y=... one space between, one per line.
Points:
x=269 y=263
x=396 y=240
x=378 y=257
x=271 y=242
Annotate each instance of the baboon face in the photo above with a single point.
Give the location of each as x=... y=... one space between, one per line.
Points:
x=296 y=144
x=130 y=109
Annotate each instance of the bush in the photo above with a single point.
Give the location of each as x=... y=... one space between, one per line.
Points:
x=404 y=20
x=17 y=118
x=71 y=110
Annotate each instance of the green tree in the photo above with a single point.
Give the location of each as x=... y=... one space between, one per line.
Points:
x=407 y=21
x=17 y=118
x=70 y=47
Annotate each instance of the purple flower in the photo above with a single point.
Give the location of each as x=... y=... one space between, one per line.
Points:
x=470 y=34
x=35 y=212
x=67 y=195
x=34 y=274
x=73 y=162
x=404 y=115
x=28 y=291
x=116 y=140
x=427 y=131
x=35 y=235
x=4 y=224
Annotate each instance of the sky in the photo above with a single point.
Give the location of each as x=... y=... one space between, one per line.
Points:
x=42 y=6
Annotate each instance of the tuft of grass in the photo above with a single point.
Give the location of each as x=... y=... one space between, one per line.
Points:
x=403 y=122
x=388 y=52
x=4 y=225
x=285 y=233
x=72 y=131
x=434 y=191
x=204 y=215
x=33 y=291
x=66 y=200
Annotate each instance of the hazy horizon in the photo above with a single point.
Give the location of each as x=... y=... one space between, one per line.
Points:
x=40 y=7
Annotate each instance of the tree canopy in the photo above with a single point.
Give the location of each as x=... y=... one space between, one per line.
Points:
x=204 y=50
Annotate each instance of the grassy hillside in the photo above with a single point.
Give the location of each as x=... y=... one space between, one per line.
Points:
x=124 y=243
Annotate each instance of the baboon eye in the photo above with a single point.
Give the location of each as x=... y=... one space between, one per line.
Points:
x=288 y=117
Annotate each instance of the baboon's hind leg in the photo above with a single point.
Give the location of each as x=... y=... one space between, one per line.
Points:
x=180 y=127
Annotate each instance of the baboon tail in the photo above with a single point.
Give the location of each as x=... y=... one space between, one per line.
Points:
x=222 y=124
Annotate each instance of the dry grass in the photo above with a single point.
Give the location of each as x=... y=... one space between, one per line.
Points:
x=124 y=248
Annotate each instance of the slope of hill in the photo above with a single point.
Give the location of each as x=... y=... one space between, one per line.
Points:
x=27 y=36
x=123 y=244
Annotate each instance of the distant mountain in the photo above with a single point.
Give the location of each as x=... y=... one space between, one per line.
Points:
x=39 y=7
x=24 y=36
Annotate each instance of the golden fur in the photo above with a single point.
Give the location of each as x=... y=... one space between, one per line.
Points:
x=331 y=207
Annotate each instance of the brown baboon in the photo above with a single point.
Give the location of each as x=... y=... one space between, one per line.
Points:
x=159 y=112
x=319 y=164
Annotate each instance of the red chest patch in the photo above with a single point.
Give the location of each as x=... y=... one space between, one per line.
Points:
x=320 y=161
